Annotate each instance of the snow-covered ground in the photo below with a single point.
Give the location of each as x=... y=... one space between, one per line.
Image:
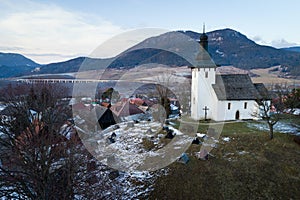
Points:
x=137 y=167
x=129 y=150
x=296 y=111
x=136 y=185
x=2 y=107
x=281 y=127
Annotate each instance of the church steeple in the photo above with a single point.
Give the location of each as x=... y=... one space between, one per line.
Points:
x=204 y=39
x=203 y=77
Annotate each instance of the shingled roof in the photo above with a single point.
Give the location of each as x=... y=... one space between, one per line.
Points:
x=237 y=87
x=203 y=60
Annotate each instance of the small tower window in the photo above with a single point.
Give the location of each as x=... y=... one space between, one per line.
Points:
x=229 y=106
x=245 y=105
x=206 y=74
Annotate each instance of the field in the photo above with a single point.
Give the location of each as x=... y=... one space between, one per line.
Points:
x=248 y=166
x=271 y=78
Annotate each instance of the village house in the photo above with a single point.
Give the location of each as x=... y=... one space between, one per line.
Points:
x=130 y=109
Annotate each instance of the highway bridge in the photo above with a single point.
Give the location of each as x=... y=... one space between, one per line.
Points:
x=54 y=80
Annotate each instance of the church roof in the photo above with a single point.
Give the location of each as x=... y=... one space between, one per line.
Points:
x=203 y=60
x=237 y=87
x=263 y=91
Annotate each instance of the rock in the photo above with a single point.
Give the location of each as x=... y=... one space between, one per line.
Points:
x=111 y=140
x=149 y=131
x=165 y=128
x=203 y=154
x=113 y=175
x=116 y=127
x=113 y=135
x=196 y=141
x=130 y=124
x=170 y=134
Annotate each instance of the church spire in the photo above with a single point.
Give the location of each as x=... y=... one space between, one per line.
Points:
x=204 y=39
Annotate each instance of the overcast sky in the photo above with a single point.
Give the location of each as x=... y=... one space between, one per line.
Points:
x=49 y=31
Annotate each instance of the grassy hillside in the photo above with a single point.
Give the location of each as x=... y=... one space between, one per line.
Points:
x=249 y=166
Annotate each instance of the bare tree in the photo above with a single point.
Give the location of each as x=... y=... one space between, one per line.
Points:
x=265 y=114
x=266 y=109
x=41 y=154
x=163 y=88
x=42 y=157
x=183 y=92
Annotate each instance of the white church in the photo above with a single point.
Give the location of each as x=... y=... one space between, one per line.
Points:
x=221 y=97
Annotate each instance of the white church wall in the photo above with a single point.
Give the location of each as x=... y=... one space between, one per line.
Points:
x=216 y=109
x=202 y=92
x=237 y=110
x=194 y=94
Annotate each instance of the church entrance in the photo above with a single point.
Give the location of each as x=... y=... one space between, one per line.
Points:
x=237 y=115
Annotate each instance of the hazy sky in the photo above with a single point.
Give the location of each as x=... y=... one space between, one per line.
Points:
x=48 y=31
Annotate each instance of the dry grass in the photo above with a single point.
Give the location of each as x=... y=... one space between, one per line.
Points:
x=270 y=78
x=250 y=166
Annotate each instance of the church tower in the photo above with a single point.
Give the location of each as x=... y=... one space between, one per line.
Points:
x=203 y=77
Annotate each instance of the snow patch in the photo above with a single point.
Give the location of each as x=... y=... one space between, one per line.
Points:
x=226 y=139
x=220 y=53
x=129 y=149
x=281 y=127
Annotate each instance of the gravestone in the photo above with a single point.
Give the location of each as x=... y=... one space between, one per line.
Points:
x=196 y=141
x=184 y=158
x=170 y=134
x=130 y=124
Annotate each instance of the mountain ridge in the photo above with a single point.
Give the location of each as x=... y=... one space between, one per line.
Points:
x=13 y=64
x=295 y=49
x=226 y=47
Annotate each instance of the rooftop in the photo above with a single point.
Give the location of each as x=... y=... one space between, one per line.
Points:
x=237 y=87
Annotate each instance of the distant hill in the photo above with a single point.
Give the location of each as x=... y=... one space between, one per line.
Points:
x=226 y=46
x=14 y=59
x=12 y=64
x=74 y=65
x=229 y=47
x=295 y=49
x=149 y=55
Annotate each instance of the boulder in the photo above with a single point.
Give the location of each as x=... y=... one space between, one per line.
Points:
x=170 y=134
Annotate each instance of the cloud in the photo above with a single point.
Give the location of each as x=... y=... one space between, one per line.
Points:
x=5 y=48
x=259 y=40
x=48 y=29
x=281 y=43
